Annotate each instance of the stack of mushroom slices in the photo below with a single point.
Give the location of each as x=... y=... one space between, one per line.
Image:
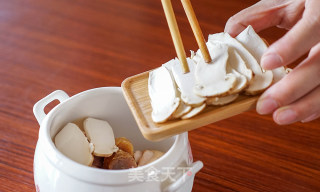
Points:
x=234 y=69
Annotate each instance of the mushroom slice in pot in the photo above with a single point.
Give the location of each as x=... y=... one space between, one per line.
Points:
x=137 y=155
x=100 y=133
x=262 y=79
x=257 y=47
x=163 y=94
x=73 y=143
x=212 y=78
x=221 y=100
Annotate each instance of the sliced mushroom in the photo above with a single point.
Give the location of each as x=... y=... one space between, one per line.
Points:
x=73 y=143
x=156 y=155
x=163 y=94
x=212 y=78
x=262 y=79
x=241 y=82
x=222 y=100
x=145 y=158
x=252 y=42
x=194 y=111
x=186 y=82
x=235 y=65
x=182 y=110
x=149 y=156
x=137 y=155
x=279 y=73
x=100 y=133
x=257 y=47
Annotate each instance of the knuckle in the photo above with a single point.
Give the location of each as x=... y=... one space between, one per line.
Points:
x=283 y=92
x=315 y=51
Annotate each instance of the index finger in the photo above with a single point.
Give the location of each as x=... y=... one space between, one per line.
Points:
x=260 y=16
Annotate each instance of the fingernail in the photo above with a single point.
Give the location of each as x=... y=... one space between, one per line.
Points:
x=310 y=118
x=271 y=61
x=285 y=116
x=266 y=106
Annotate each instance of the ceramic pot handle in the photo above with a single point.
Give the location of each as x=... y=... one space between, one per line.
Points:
x=195 y=167
x=38 y=108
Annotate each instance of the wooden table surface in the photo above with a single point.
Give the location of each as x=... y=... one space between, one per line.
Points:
x=78 y=45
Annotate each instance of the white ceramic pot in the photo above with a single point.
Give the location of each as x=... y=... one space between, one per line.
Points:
x=54 y=172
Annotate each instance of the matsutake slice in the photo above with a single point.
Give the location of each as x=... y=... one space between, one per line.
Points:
x=194 y=111
x=73 y=143
x=241 y=80
x=261 y=79
x=212 y=78
x=257 y=47
x=221 y=100
x=100 y=133
x=182 y=110
x=237 y=63
x=279 y=73
x=186 y=82
x=163 y=94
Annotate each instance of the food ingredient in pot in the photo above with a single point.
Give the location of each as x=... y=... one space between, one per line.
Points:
x=105 y=151
x=100 y=133
x=73 y=143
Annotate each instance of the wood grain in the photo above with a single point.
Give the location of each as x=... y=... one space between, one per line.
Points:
x=78 y=45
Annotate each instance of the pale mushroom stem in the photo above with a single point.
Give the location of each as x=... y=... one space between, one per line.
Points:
x=196 y=30
x=175 y=34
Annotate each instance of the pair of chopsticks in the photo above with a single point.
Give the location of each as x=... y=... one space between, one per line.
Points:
x=175 y=33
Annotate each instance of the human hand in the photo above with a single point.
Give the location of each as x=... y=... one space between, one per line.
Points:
x=297 y=96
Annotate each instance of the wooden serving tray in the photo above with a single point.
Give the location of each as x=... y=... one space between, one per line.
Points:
x=135 y=91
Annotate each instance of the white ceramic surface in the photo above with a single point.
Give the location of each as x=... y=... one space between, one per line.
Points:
x=53 y=172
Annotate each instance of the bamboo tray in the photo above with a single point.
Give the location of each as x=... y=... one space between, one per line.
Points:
x=135 y=91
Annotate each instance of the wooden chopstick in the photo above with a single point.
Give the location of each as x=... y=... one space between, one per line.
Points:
x=175 y=34
x=196 y=30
